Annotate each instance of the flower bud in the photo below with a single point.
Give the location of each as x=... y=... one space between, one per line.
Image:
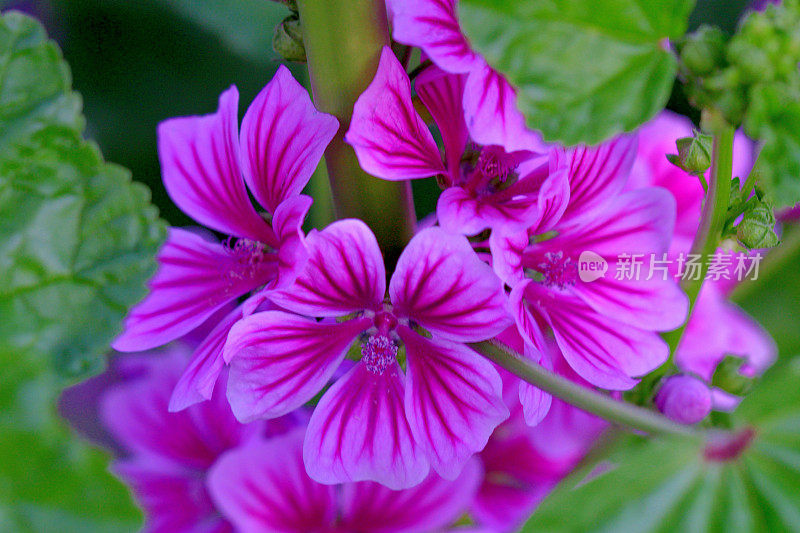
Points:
x=703 y=50
x=757 y=228
x=288 y=40
x=684 y=399
x=694 y=154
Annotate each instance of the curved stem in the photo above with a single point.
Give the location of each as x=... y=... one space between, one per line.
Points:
x=619 y=412
x=712 y=222
x=343 y=41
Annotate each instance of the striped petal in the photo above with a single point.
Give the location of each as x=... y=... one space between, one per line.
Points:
x=200 y=166
x=198 y=380
x=432 y=25
x=602 y=350
x=596 y=174
x=441 y=284
x=195 y=277
x=490 y=106
x=283 y=138
x=453 y=400
x=344 y=273
x=359 y=432
x=442 y=94
x=264 y=487
x=432 y=505
x=279 y=361
x=390 y=139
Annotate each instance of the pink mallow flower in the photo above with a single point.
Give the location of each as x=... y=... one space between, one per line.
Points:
x=205 y=165
x=263 y=486
x=489 y=101
x=417 y=397
x=606 y=326
x=485 y=186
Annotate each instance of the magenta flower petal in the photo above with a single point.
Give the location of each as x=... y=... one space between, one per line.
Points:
x=390 y=139
x=656 y=304
x=283 y=138
x=490 y=105
x=292 y=252
x=517 y=478
x=635 y=222
x=279 y=361
x=172 y=497
x=359 y=432
x=535 y=402
x=718 y=328
x=264 y=487
x=603 y=351
x=200 y=166
x=453 y=400
x=462 y=211
x=553 y=199
x=442 y=93
x=197 y=381
x=530 y=325
x=440 y=283
x=432 y=505
x=195 y=278
x=135 y=413
x=432 y=25
x=344 y=273
x=596 y=174
x=507 y=248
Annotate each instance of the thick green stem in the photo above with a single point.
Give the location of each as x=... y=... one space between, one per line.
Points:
x=343 y=41
x=712 y=222
x=619 y=412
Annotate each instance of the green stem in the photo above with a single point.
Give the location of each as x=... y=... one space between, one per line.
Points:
x=343 y=41
x=619 y=412
x=712 y=222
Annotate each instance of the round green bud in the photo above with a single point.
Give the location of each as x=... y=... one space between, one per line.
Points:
x=757 y=228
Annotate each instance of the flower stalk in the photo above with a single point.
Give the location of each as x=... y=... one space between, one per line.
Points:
x=618 y=412
x=712 y=221
x=343 y=41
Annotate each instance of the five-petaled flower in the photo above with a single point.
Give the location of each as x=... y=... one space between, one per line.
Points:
x=205 y=166
x=379 y=421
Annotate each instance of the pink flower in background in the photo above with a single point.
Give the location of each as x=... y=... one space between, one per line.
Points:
x=717 y=327
x=489 y=101
x=169 y=454
x=378 y=422
x=485 y=185
x=205 y=165
x=263 y=486
x=606 y=329
x=523 y=464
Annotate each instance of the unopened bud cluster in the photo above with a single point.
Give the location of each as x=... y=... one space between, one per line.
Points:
x=729 y=73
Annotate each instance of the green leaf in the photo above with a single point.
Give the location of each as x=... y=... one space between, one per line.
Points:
x=667 y=484
x=584 y=69
x=78 y=236
x=49 y=479
x=78 y=241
